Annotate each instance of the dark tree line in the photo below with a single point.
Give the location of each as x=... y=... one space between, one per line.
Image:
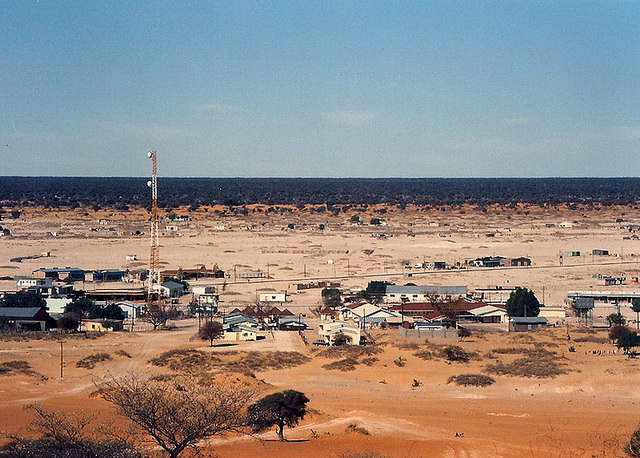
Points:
x=335 y=194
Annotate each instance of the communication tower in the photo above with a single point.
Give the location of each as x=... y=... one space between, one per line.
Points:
x=154 y=258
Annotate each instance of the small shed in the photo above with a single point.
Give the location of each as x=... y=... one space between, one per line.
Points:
x=101 y=325
x=527 y=323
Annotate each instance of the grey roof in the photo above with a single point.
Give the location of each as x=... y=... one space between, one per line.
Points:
x=235 y=319
x=585 y=302
x=528 y=319
x=291 y=319
x=440 y=290
x=26 y=312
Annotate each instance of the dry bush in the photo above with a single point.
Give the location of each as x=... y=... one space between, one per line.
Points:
x=354 y=428
x=18 y=367
x=347 y=364
x=124 y=353
x=26 y=336
x=592 y=339
x=424 y=354
x=369 y=361
x=471 y=380
x=457 y=353
x=350 y=351
x=196 y=361
x=407 y=345
x=364 y=454
x=89 y=362
x=265 y=360
x=531 y=352
x=533 y=367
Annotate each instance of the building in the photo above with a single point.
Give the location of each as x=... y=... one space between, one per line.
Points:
x=191 y=274
x=329 y=329
x=489 y=314
x=105 y=275
x=172 y=288
x=100 y=325
x=520 y=262
x=55 y=273
x=600 y=252
x=281 y=297
x=527 y=323
x=23 y=283
x=27 y=318
x=398 y=294
x=493 y=295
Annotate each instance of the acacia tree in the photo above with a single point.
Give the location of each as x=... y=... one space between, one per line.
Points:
x=180 y=412
x=283 y=408
x=522 y=302
x=211 y=330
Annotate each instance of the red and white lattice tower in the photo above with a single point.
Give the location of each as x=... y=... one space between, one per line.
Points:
x=154 y=259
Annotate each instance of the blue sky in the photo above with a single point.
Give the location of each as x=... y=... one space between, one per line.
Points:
x=320 y=88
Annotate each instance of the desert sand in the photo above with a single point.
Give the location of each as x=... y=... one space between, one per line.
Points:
x=590 y=410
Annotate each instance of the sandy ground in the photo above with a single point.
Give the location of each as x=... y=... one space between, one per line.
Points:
x=590 y=411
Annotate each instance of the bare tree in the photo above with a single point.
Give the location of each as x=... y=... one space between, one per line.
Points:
x=180 y=412
x=63 y=435
x=158 y=314
x=211 y=330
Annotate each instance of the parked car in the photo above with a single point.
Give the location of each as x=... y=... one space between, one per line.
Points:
x=320 y=342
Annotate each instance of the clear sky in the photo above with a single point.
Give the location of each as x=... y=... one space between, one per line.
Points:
x=320 y=88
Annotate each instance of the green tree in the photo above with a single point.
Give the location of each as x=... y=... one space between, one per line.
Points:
x=211 y=330
x=375 y=221
x=332 y=297
x=355 y=218
x=635 y=306
x=23 y=299
x=280 y=409
x=341 y=339
x=628 y=340
x=522 y=302
x=79 y=306
x=616 y=319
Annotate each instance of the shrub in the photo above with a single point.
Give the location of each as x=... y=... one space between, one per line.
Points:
x=354 y=428
x=347 y=364
x=527 y=367
x=471 y=380
x=456 y=353
x=123 y=353
x=424 y=354
x=369 y=361
x=350 y=351
x=89 y=362
x=616 y=331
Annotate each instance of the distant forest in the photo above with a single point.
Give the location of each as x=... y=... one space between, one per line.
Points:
x=119 y=192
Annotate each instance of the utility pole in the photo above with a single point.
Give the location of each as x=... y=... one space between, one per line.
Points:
x=62 y=359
